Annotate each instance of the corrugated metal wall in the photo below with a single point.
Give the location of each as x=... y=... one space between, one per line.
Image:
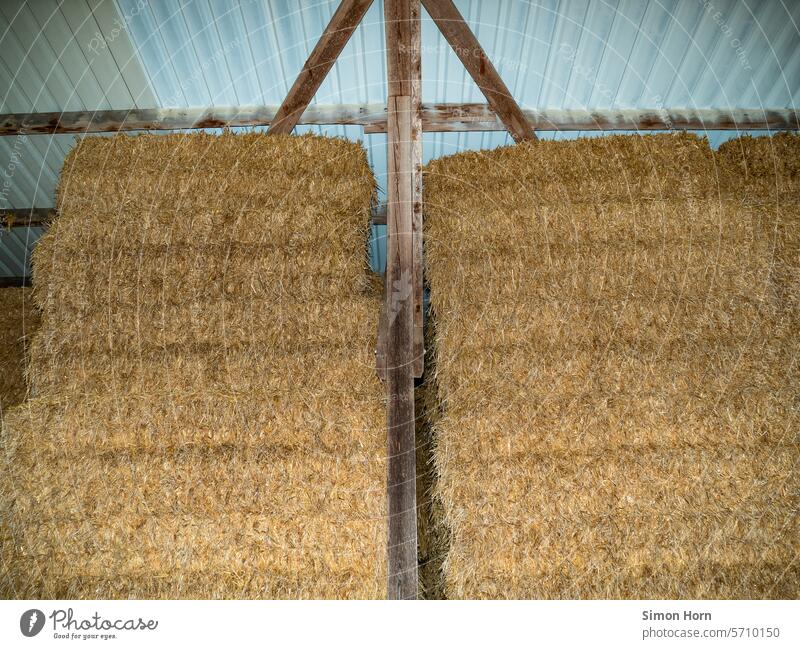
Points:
x=551 y=53
x=56 y=56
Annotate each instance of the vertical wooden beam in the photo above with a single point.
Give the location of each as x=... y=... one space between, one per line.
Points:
x=416 y=190
x=466 y=46
x=399 y=351
x=397 y=19
x=381 y=347
x=342 y=25
x=404 y=66
x=399 y=315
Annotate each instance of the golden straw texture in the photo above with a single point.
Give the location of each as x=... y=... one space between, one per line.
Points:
x=206 y=421
x=18 y=320
x=616 y=360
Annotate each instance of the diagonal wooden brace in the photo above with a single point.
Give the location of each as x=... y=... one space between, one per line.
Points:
x=342 y=25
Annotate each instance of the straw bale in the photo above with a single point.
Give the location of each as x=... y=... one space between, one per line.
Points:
x=763 y=175
x=18 y=320
x=206 y=420
x=320 y=417
x=230 y=584
x=616 y=366
x=758 y=169
x=237 y=323
x=173 y=274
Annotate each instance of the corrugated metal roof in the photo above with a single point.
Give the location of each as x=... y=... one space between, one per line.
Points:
x=551 y=53
x=52 y=59
x=16 y=245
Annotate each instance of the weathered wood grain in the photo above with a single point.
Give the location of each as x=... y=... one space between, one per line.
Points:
x=399 y=310
x=401 y=448
x=435 y=118
x=415 y=65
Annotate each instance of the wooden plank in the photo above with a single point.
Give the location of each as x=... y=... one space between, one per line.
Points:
x=401 y=449
x=480 y=117
x=415 y=65
x=435 y=118
x=399 y=312
x=397 y=21
x=341 y=26
x=379 y=215
x=381 y=360
x=27 y=217
x=15 y=282
x=164 y=119
x=404 y=66
x=466 y=46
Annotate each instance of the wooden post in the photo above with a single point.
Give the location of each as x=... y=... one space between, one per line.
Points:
x=415 y=68
x=399 y=308
x=399 y=352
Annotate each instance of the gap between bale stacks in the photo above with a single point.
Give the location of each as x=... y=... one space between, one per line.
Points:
x=206 y=420
x=617 y=342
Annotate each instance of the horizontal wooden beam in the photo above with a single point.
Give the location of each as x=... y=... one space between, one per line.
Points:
x=435 y=118
x=15 y=282
x=167 y=119
x=27 y=217
x=480 y=117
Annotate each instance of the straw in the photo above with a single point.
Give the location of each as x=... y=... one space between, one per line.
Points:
x=206 y=419
x=616 y=363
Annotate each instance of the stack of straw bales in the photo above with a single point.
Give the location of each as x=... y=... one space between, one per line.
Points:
x=18 y=320
x=762 y=175
x=617 y=344
x=207 y=421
